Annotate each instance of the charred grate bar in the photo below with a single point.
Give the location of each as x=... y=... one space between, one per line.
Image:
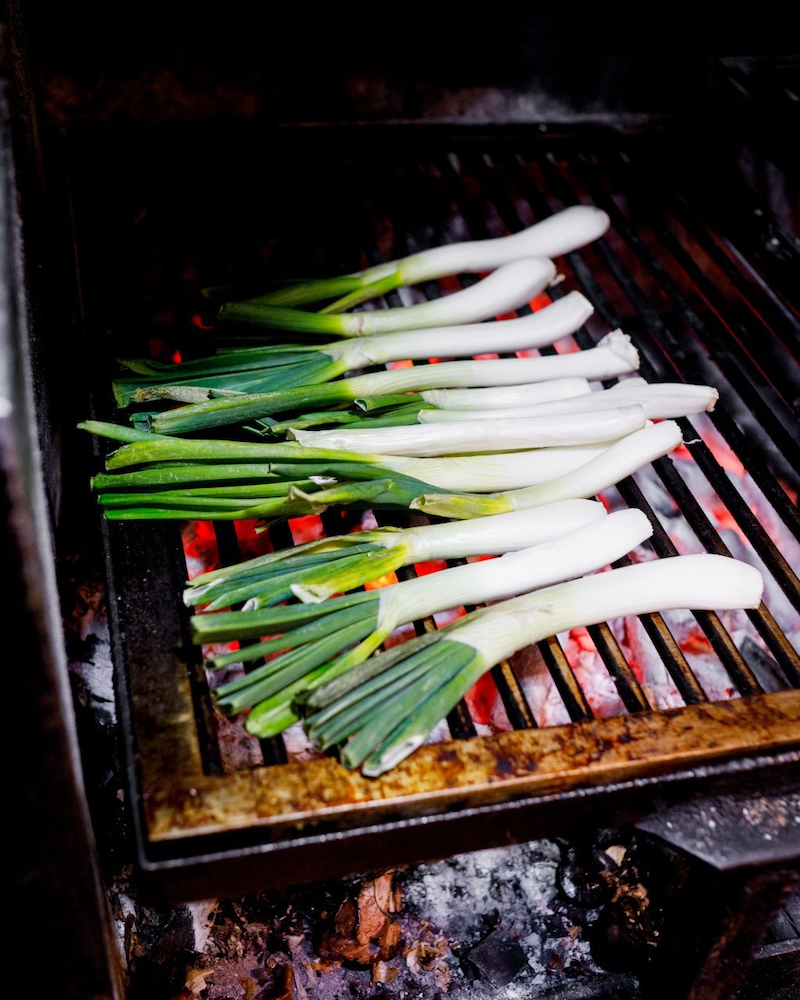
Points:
x=694 y=303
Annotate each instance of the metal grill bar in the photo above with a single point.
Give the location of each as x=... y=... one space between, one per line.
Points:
x=513 y=697
x=565 y=680
x=671 y=653
x=630 y=691
x=716 y=633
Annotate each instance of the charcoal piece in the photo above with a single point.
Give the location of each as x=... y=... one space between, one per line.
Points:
x=586 y=876
x=768 y=673
x=498 y=957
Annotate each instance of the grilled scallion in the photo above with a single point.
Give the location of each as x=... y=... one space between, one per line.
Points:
x=511 y=286
x=614 y=355
x=330 y=638
x=389 y=705
x=561 y=233
x=263 y=368
x=317 y=570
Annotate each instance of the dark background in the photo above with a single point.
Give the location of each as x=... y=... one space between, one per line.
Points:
x=156 y=62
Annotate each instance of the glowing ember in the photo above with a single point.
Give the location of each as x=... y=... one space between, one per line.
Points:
x=480 y=699
x=382 y=581
x=306 y=529
x=433 y=566
x=200 y=547
x=251 y=543
x=197 y=322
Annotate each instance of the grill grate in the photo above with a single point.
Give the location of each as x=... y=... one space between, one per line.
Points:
x=486 y=188
x=693 y=298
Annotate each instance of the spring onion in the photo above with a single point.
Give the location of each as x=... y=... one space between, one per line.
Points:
x=503 y=396
x=261 y=369
x=512 y=285
x=366 y=620
x=462 y=437
x=561 y=233
x=661 y=401
x=175 y=477
x=614 y=355
x=389 y=715
x=403 y=408
x=621 y=459
x=317 y=570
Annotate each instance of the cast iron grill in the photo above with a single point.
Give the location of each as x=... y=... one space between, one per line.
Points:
x=687 y=283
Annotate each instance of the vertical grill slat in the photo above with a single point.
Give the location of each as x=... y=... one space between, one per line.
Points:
x=565 y=680
x=729 y=655
x=513 y=697
x=755 y=340
x=671 y=653
x=460 y=723
x=630 y=691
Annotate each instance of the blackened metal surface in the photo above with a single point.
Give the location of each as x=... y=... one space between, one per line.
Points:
x=771 y=977
x=231 y=866
x=748 y=904
x=785 y=927
x=748 y=826
x=53 y=868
